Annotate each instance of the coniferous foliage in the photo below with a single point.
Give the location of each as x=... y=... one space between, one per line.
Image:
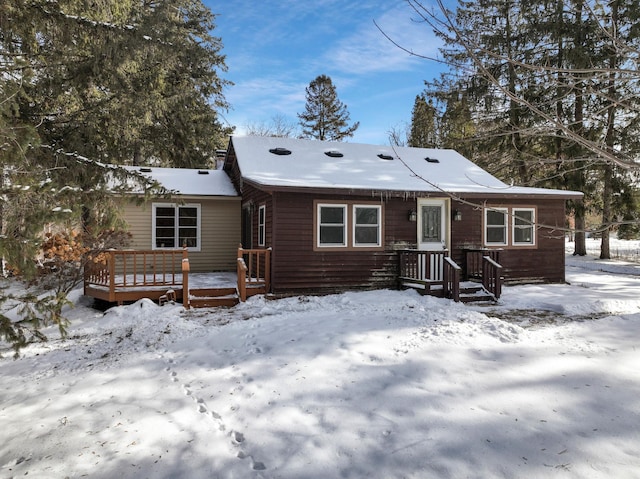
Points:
x=86 y=84
x=325 y=117
x=424 y=128
x=552 y=92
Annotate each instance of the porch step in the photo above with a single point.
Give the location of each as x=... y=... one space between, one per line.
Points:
x=471 y=292
x=213 y=297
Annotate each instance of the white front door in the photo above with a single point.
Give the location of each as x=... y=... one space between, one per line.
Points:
x=433 y=236
x=433 y=225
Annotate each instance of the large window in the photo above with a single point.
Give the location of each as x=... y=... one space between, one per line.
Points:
x=509 y=226
x=348 y=225
x=175 y=226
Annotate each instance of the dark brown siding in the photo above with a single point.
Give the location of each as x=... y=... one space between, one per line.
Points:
x=254 y=198
x=544 y=263
x=298 y=268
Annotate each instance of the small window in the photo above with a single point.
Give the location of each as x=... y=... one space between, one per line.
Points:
x=496 y=226
x=332 y=225
x=366 y=225
x=261 y=224
x=523 y=231
x=176 y=226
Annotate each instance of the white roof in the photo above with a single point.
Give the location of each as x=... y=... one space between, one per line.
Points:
x=360 y=168
x=190 y=182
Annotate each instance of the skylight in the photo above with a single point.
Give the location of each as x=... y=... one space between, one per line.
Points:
x=280 y=151
x=145 y=170
x=432 y=160
x=333 y=153
x=385 y=156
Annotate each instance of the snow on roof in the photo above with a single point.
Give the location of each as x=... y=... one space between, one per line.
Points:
x=190 y=182
x=289 y=162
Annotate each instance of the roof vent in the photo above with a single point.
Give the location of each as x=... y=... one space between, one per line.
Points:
x=203 y=172
x=333 y=153
x=145 y=170
x=385 y=156
x=280 y=151
x=432 y=160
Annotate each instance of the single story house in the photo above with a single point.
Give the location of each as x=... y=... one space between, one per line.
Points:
x=336 y=215
x=321 y=217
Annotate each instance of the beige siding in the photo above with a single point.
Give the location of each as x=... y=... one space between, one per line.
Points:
x=220 y=231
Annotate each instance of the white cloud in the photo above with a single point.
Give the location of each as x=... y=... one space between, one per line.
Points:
x=261 y=98
x=367 y=49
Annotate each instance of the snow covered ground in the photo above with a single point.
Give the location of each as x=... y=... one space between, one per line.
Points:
x=383 y=384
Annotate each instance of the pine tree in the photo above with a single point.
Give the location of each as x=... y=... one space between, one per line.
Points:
x=325 y=117
x=423 y=133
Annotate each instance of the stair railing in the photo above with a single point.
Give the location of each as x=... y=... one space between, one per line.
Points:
x=451 y=279
x=492 y=276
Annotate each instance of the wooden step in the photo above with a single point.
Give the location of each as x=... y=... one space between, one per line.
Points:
x=212 y=292
x=477 y=298
x=214 y=301
x=213 y=297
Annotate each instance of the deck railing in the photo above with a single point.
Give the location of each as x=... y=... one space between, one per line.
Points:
x=426 y=269
x=254 y=270
x=492 y=276
x=473 y=259
x=422 y=265
x=112 y=269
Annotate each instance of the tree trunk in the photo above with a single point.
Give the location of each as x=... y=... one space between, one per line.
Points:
x=607 y=190
x=580 y=246
x=607 y=196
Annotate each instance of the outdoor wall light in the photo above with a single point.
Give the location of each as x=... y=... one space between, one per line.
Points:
x=457 y=216
x=413 y=215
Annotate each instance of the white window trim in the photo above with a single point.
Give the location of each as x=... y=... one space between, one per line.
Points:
x=515 y=212
x=345 y=225
x=197 y=206
x=378 y=243
x=505 y=211
x=262 y=232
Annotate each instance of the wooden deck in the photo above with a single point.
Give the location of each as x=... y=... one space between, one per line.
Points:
x=121 y=276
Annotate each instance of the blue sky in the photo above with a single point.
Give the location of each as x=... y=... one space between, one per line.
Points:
x=275 y=48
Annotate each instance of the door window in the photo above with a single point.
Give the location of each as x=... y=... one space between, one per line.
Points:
x=431 y=224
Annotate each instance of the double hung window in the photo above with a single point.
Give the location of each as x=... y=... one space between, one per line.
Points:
x=366 y=225
x=332 y=225
x=523 y=232
x=496 y=226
